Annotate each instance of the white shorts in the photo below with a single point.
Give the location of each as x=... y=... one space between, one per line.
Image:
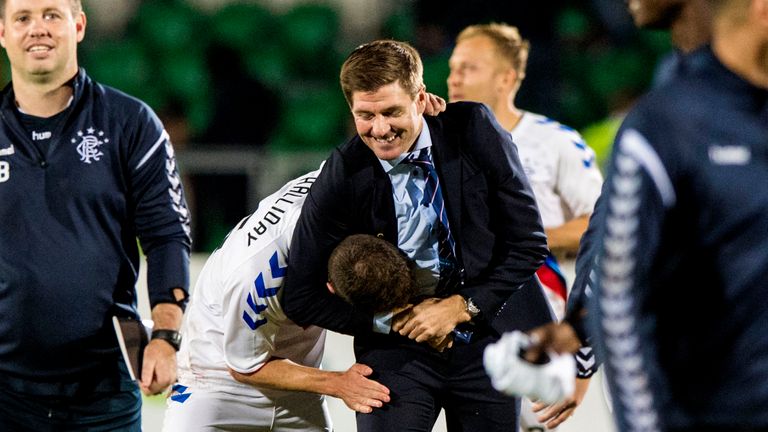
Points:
x=207 y=409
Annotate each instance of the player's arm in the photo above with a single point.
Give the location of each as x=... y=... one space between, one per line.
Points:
x=639 y=194
x=565 y=238
x=161 y=220
x=159 y=365
x=358 y=392
x=253 y=318
x=555 y=414
x=578 y=185
x=583 y=283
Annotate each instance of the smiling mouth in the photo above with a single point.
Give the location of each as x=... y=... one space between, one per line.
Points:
x=386 y=140
x=38 y=49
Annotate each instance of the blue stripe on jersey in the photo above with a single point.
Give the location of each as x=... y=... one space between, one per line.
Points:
x=274 y=267
x=262 y=291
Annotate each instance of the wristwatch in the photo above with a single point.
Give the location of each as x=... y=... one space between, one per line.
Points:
x=171 y=336
x=472 y=308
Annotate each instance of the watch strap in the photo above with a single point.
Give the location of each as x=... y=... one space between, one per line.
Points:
x=173 y=337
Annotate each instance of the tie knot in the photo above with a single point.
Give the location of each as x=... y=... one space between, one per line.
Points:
x=421 y=158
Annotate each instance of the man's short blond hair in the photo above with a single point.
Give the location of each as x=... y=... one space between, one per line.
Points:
x=510 y=46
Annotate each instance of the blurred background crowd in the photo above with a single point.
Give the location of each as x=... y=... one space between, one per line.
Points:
x=248 y=90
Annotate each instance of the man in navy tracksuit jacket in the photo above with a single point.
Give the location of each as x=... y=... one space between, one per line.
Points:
x=689 y=25
x=84 y=171
x=679 y=303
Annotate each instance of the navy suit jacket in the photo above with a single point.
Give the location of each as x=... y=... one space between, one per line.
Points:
x=500 y=240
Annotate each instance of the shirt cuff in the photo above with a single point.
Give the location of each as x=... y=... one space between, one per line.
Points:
x=586 y=363
x=382 y=322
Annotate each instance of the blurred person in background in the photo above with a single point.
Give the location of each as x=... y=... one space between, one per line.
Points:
x=688 y=288
x=689 y=24
x=84 y=171
x=688 y=36
x=685 y=17
x=680 y=277
x=488 y=65
x=688 y=21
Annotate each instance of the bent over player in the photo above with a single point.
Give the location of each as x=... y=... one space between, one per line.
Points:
x=243 y=365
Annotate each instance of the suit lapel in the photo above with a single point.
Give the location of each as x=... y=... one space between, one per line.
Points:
x=383 y=208
x=374 y=189
x=448 y=165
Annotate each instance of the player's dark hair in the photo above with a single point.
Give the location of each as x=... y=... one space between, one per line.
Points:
x=370 y=273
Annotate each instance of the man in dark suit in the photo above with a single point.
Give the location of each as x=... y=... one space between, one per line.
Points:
x=450 y=192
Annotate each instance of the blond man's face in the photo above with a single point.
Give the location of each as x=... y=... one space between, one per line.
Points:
x=477 y=74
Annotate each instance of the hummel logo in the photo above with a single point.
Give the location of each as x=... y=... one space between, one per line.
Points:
x=7 y=151
x=37 y=136
x=729 y=154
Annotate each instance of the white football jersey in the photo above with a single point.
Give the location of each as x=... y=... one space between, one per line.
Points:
x=234 y=318
x=560 y=166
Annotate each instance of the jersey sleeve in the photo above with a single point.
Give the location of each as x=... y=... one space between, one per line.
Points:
x=578 y=176
x=160 y=213
x=638 y=194
x=252 y=313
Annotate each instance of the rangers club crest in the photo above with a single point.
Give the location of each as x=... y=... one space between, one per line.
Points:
x=90 y=141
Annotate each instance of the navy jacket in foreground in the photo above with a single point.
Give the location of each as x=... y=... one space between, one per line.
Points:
x=680 y=299
x=70 y=216
x=492 y=213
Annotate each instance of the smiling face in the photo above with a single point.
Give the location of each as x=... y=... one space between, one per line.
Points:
x=388 y=120
x=40 y=38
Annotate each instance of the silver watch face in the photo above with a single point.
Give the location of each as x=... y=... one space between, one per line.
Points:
x=472 y=308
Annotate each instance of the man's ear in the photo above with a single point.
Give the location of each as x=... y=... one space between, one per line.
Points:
x=511 y=78
x=330 y=287
x=421 y=100
x=80 y=22
x=760 y=8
